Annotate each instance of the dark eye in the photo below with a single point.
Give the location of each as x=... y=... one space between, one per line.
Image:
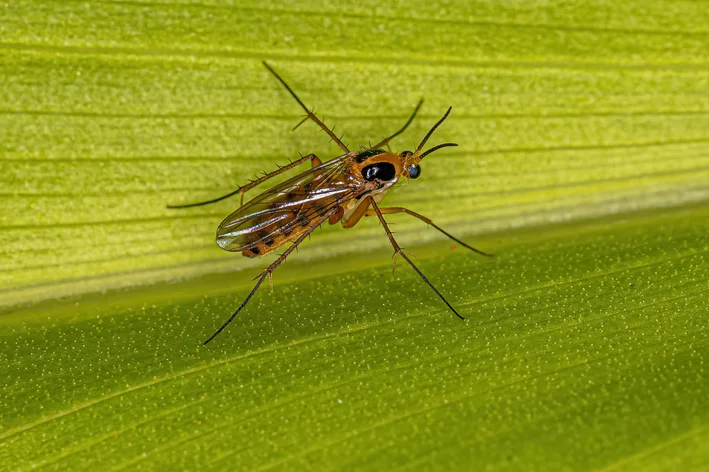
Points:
x=381 y=171
x=414 y=172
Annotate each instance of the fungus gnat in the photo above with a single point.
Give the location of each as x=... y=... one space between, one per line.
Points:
x=343 y=189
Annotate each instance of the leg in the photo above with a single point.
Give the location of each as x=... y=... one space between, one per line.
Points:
x=311 y=115
x=268 y=272
x=399 y=251
x=385 y=142
x=391 y=211
x=357 y=214
x=314 y=160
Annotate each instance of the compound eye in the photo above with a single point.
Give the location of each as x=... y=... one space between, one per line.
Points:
x=415 y=171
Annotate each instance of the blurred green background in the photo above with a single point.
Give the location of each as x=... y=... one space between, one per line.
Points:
x=583 y=163
x=111 y=110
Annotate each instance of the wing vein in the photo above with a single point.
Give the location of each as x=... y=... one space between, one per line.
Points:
x=278 y=211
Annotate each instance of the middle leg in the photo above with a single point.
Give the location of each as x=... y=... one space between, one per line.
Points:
x=314 y=162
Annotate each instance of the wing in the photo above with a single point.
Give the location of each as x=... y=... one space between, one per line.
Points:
x=283 y=212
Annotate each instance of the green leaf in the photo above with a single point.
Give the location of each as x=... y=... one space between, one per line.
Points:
x=585 y=347
x=582 y=164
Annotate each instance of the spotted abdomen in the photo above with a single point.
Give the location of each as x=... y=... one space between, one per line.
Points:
x=276 y=235
x=283 y=213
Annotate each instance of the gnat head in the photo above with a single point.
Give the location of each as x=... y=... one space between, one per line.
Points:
x=412 y=159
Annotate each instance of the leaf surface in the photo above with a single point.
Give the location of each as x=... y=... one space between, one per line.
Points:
x=583 y=164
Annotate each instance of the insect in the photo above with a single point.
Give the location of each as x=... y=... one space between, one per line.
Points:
x=343 y=189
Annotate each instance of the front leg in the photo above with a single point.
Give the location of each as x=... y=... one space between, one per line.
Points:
x=357 y=215
x=399 y=251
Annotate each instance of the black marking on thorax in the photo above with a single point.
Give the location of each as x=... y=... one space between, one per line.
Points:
x=367 y=153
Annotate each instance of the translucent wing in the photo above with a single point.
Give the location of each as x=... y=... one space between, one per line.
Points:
x=283 y=212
